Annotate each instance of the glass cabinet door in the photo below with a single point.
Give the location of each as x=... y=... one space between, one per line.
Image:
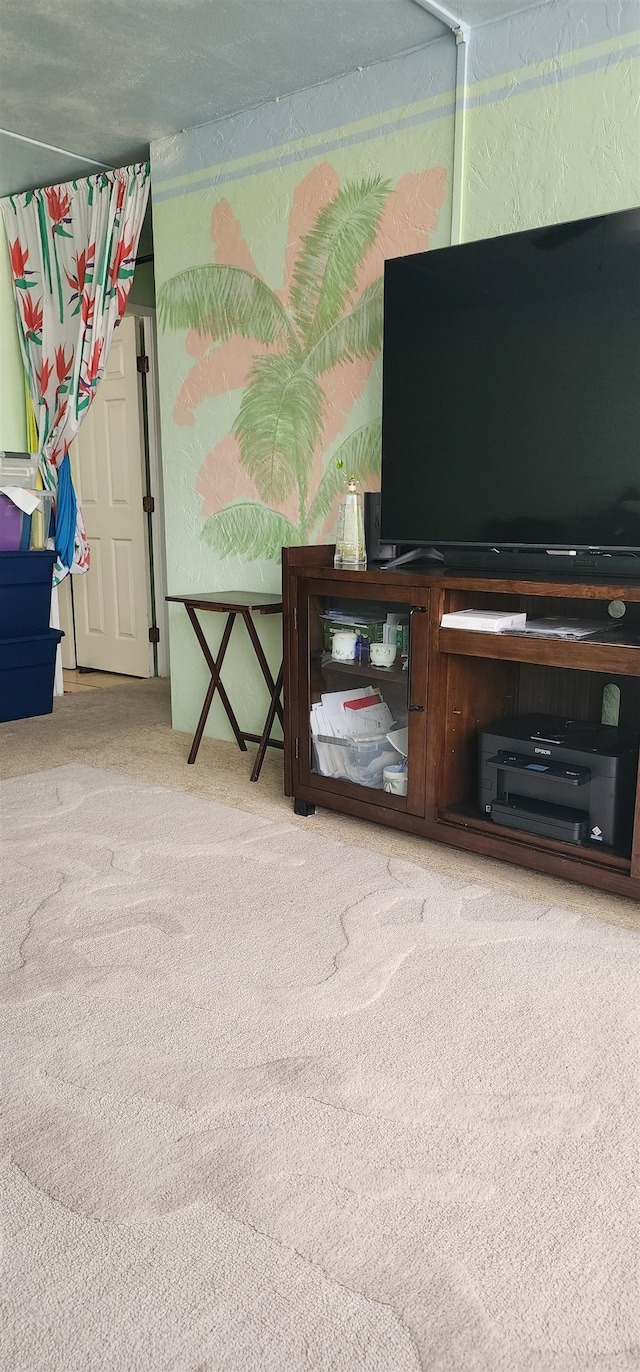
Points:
x=366 y=694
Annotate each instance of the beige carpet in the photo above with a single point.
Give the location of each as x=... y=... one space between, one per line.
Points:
x=127 y=729
x=275 y=1103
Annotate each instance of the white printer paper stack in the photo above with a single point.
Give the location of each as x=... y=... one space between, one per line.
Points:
x=484 y=621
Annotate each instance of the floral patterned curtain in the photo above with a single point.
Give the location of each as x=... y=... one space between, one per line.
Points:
x=73 y=253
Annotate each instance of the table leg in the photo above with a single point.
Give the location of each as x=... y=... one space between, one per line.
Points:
x=259 y=651
x=266 y=732
x=215 y=684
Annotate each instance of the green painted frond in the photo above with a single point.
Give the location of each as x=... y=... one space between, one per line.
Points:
x=357 y=334
x=223 y=301
x=279 y=424
x=249 y=529
x=360 y=456
x=332 y=252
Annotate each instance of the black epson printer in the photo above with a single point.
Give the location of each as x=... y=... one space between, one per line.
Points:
x=559 y=778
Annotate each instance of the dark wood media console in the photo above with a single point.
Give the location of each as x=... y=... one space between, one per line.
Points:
x=454 y=682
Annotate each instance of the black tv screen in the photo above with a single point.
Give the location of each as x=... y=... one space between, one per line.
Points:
x=511 y=390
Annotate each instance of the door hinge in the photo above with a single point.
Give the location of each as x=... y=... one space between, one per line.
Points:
x=154 y=634
x=148 y=504
x=297 y=747
x=142 y=364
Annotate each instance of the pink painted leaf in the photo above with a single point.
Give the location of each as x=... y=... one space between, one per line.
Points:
x=223 y=368
x=230 y=248
x=409 y=216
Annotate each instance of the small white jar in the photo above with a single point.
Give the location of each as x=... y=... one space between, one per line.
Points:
x=343 y=645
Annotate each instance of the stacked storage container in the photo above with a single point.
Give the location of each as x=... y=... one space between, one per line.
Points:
x=27 y=645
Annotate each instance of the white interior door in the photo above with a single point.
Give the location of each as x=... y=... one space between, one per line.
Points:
x=112 y=601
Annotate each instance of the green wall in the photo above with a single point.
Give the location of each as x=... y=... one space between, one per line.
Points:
x=143 y=290
x=557 y=140
x=551 y=135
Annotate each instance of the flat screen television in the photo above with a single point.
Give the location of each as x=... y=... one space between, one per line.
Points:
x=511 y=391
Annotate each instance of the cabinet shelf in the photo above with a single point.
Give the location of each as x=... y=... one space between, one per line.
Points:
x=458 y=683
x=469 y=816
x=613 y=657
x=360 y=669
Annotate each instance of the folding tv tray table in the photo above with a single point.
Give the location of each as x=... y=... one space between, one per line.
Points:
x=243 y=604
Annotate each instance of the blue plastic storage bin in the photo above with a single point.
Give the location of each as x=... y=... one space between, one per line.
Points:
x=25 y=593
x=27 y=667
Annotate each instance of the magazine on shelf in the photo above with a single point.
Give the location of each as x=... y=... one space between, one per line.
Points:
x=556 y=627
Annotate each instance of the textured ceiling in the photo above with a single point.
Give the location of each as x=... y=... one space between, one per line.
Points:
x=99 y=79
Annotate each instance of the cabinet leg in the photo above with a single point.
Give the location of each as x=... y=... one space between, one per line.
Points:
x=304 y=808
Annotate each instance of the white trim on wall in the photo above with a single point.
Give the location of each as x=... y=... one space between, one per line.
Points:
x=462 y=34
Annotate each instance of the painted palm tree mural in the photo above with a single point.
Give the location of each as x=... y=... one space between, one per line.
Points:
x=301 y=355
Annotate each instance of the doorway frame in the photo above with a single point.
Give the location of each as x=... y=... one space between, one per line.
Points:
x=147 y=314
x=151 y=453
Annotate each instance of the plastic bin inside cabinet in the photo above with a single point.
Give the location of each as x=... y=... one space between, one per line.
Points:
x=360 y=760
